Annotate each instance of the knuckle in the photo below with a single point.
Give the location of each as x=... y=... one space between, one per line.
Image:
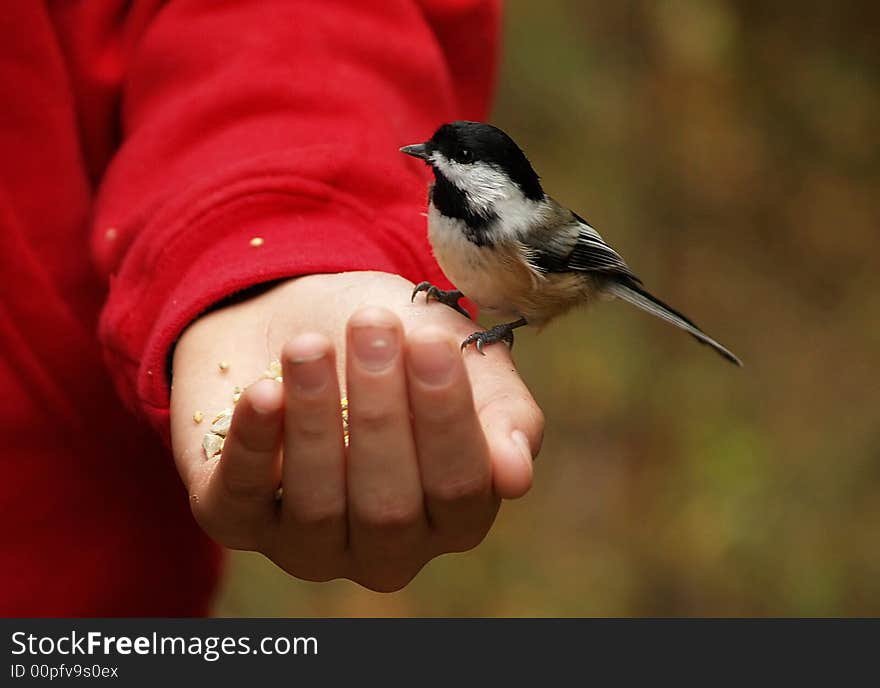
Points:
x=309 y=428
x=460 y=488
x=318 y=515
x=389 y=515
x=374 y=419
x=443 y=411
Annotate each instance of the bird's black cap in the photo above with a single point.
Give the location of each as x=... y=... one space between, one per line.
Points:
x=468 y=142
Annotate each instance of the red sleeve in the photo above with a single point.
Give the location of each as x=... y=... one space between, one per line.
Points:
x=279 y=119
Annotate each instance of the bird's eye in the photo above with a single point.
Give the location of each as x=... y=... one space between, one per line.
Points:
x=465 y=155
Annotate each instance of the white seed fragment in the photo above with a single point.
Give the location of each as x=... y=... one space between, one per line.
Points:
x=257 y=242
x=198 y=417
x=273 y=372
x=212 y=444
x=224 y=366
x=222 y=421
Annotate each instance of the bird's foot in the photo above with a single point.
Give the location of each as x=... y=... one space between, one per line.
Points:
x=499 y=333
x=449 y=298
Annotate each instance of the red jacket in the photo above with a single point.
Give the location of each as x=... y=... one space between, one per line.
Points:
x=142 y=144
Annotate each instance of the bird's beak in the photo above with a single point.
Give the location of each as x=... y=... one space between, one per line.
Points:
x=417 y=150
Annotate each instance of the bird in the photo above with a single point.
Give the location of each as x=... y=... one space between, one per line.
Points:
x=513 y=250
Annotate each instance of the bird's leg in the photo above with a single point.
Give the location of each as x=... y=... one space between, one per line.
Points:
x=450 y=298
x=499 y=333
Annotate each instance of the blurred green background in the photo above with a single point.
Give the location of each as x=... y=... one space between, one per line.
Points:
x=730 y=149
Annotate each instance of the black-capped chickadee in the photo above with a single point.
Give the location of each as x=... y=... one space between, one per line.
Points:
x=511 y=248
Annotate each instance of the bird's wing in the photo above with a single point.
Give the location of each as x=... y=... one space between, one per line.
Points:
x=575 y=246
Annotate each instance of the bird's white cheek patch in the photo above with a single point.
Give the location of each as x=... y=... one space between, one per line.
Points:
x=490 y=192
x=483 y=185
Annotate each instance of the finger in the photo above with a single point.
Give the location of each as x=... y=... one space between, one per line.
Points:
x=313 y=471
x=385 y=499
x=512 y=421
x=452 y=451
x=238 y=503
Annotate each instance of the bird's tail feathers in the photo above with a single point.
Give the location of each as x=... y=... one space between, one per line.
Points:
x=632 y=293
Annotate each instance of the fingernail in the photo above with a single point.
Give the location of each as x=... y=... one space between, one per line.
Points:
x=433 y=360
x=264 y=397
x=374 y=346
x=309 y=370
x=522 y=444
x=311 y=376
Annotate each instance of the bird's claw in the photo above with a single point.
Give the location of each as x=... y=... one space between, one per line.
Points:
x=499 y=333
x=421 y=286
x=449 y=298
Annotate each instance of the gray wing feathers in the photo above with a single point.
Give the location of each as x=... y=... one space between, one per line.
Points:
x=592 y=254
x=567 y=243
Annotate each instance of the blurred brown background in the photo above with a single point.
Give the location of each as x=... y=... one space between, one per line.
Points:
x=730 y=149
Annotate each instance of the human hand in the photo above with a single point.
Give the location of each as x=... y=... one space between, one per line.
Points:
x=438 y=437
